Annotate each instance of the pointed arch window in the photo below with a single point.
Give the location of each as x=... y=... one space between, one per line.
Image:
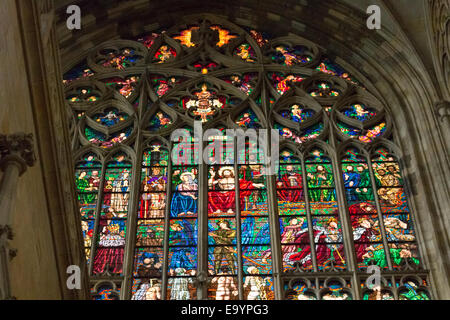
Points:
x=159 y=224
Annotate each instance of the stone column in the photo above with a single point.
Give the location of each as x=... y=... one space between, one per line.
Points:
x=16 y=154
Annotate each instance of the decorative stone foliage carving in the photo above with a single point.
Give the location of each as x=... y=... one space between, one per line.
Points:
x=18 y=148
x=443 y=110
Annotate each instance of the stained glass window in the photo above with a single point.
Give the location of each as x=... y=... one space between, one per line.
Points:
x=327 y=227
x=112 y=226
x=88 y=175
x=150 y=229
x=106 y=291
x=397 y=220
x=159 y=221
x=362 y=209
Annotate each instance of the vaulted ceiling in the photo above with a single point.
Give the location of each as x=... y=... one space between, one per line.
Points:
x=332 y=24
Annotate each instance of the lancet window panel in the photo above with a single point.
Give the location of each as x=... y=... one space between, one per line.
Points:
x=166 y=225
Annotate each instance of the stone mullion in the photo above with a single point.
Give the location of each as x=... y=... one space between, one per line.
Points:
x=237 y=199
x=97 y=218
x=274 y=225
x=165 y=268
x=380 y=214
x=347 y=230
x=308 y=216
x=273 y=218
x=133 y=207
x=133 y=204
x=143 y=99
x=202 y=220
x=264 y=95
x=395 y=293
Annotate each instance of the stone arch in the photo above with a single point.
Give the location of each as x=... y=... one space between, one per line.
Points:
x=408 y=91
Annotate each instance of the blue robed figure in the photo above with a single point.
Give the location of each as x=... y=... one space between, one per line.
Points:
x=351 y=181
x=184 y=200
x=183 y=234
x=252 y=234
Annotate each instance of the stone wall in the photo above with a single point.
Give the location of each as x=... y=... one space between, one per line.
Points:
x=38 y=225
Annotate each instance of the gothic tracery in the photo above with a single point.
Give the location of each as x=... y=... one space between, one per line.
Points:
x=339 y=197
